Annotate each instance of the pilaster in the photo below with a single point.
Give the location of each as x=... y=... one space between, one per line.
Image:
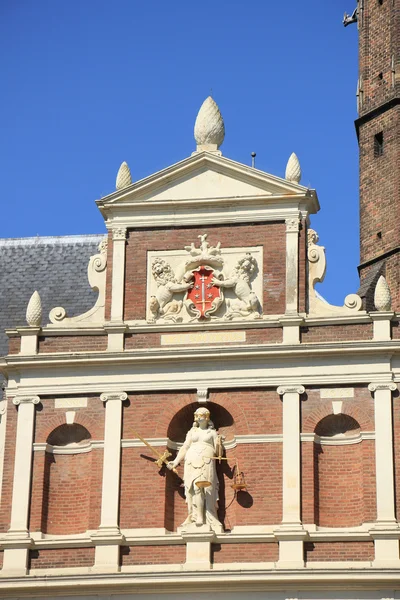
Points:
x=16 y=553
x=292 y=265
x=386 y=532
x=291 y=534
x=198 y=548
x=29 y=339
x=381 y=325
x=108 y=537
x=118 y=274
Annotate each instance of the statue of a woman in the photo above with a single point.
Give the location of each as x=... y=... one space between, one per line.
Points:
x=201 y=446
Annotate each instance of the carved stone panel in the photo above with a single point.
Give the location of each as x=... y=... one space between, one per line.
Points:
x=204 y=282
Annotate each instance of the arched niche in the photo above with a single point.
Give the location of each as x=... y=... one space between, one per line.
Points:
x=67 y=476
x=175 y=507
x=338 y=472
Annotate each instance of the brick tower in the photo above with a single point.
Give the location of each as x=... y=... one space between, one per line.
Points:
x=378 y=130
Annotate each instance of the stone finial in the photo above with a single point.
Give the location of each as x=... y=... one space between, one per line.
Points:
x=209 y=129
x=382 y=297
x=34 y=311
x=124 y=177
x=293 y=170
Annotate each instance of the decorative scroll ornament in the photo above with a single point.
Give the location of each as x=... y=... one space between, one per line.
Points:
x=97 y=281
x=203 y=280
x=34 y=310
x=124 y=178
x=382 y=296
x=293 y=170
x=316 y=273
x=209 y=129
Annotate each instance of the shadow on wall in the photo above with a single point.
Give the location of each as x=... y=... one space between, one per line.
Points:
x=66 y=480
x=338 y=472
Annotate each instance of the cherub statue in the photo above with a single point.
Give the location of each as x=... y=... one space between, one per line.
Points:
x=163 y=304
x=246 y=304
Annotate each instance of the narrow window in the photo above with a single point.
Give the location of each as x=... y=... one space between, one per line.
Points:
x=380 y=2
x=378 y=144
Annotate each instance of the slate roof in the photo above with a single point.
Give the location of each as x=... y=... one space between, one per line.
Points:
x=54 y=266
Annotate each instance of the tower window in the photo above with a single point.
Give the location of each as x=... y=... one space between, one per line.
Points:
x=380 y=2
x=378 y=144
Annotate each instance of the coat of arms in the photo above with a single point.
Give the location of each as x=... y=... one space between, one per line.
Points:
x=200 y=277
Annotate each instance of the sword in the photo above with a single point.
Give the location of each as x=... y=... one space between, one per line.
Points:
x=161 y=458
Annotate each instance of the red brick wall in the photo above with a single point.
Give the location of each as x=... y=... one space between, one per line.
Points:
x=271 y=236
x=230 y=553
x=338 y=551
x=326 y=490
x=66 y=500
x=91 y=417
x=59 y=558
x=265 y=335
x=340 y=485
x=396 y=330
x=153 y=555
x=378 y=42
x=235 y=412
x=336 y=333
x=66 y=489
x=360 y=408
x=14 y=345
x=72 y=343
x=8 y=466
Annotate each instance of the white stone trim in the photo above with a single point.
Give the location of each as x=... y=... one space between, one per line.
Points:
x=118 y=275
x=78 y=449
x=108 y=534
x=337 y=440
x=291 y=453
x=3 y=428
x=371 y=583
x=385 y=504
x=330 y=393
x=70 y=402
x=111 y=461
x=292 y=264
x=22 y=465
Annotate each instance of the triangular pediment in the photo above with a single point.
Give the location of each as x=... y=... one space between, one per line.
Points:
x=205 y=176
x=206 y=186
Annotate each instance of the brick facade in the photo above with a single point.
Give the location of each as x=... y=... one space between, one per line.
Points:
x=270 y=235
x=379 y=45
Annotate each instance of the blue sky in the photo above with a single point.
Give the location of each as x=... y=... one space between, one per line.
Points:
x=87 y=84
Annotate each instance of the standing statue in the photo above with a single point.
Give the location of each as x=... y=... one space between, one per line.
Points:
x=201 y=446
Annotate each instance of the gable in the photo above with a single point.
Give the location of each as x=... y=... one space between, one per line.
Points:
x=206 y=183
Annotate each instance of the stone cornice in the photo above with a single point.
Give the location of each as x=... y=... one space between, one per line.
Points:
x=169 y=579
x=166 y=353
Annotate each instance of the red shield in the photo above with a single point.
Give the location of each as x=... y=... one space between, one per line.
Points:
x=203 y=294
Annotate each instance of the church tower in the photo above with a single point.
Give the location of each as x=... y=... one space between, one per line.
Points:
x=378 y=131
